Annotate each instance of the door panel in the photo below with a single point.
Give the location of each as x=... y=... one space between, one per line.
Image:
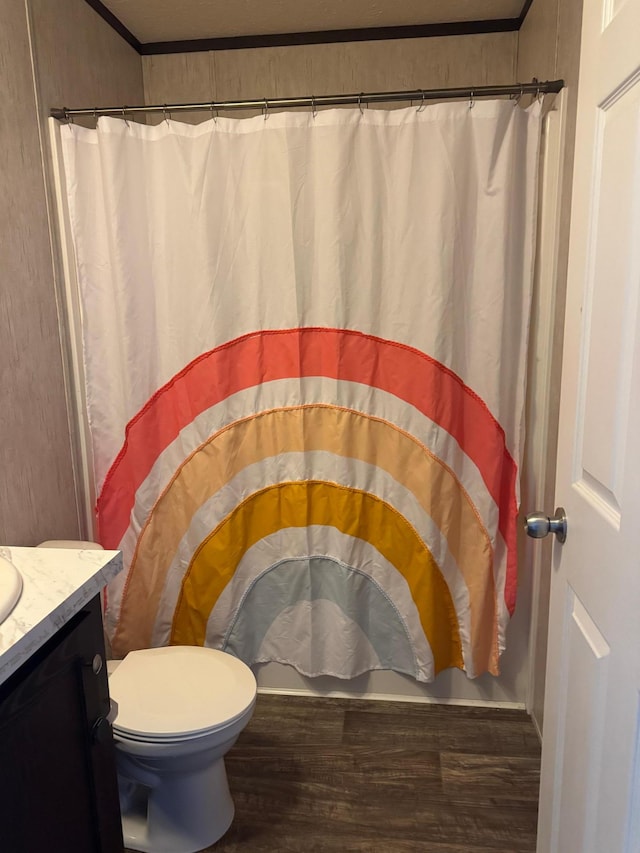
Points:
x=610 y=286
x=589 y=761
x=585 y=667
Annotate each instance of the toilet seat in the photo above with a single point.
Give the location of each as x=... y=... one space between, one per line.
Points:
x=179 y=693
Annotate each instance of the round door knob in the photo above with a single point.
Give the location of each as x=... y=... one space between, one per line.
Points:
x=538 y=525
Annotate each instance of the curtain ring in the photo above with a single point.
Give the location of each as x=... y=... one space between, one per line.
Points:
x=314 y=111
x=421 y=107
x=471 y=101
x=360 y=103
x=67 y=116
x=214 y=116
x=124 y=116
x=266 y=109
x=164 y=114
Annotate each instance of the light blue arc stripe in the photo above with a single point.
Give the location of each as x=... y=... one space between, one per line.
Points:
x=358 y=596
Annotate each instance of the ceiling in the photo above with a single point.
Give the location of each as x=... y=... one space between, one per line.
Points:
x=151 y=23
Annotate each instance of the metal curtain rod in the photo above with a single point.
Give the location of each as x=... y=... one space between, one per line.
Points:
x=314 y=101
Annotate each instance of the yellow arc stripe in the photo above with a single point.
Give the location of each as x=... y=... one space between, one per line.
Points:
x=299 y=504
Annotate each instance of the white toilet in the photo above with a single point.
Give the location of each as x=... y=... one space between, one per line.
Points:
x=179 y=710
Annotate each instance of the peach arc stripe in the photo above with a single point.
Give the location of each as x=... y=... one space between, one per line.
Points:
x=336 y=353
x=307 y=428
x=300 y=504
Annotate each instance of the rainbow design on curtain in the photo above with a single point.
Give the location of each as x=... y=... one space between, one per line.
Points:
x=416 y=518
x=304 y=350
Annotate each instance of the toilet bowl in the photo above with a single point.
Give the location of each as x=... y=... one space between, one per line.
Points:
x=179 y=710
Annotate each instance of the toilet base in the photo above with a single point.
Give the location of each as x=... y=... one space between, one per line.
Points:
x=178 y=815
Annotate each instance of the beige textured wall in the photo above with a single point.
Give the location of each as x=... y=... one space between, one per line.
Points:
x=330 y=68
x=549 y=48
x=79 y=59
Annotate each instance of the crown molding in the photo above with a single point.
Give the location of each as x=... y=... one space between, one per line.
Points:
x=453 y=28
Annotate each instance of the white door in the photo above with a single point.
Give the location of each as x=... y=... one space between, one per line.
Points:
x=590 y=790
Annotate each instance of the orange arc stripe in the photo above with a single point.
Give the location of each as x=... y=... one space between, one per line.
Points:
x=299 y=504
x=312 y=427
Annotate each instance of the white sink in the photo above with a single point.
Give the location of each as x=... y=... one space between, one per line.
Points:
x=10 y=587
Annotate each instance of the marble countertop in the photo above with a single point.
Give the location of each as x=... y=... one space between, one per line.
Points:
x=57 y=583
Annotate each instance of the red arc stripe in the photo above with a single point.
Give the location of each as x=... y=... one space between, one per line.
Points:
x=341 y=354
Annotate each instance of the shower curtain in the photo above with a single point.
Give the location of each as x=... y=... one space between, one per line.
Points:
x=304 y=343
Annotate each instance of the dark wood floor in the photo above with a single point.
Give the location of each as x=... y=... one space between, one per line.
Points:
x=350 y=776
x=333 y=775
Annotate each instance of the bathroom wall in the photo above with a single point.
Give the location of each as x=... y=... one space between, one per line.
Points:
x=365 y=66
x=330 y=68
x=76 y=58
x=549 y=48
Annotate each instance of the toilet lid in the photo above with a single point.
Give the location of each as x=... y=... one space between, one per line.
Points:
x=179 y=691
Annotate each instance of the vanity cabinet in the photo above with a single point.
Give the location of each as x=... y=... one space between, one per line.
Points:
x=58 y=787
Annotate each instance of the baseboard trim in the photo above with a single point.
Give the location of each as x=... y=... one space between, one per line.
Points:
x=390 y=697
x=536 y=726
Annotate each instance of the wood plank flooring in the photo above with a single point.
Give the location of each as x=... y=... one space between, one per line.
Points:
x=315 y=775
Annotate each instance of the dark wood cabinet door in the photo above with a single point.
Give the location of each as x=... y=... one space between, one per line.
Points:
x=58 y=787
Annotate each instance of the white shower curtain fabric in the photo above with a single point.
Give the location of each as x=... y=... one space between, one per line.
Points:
x=304 y=343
